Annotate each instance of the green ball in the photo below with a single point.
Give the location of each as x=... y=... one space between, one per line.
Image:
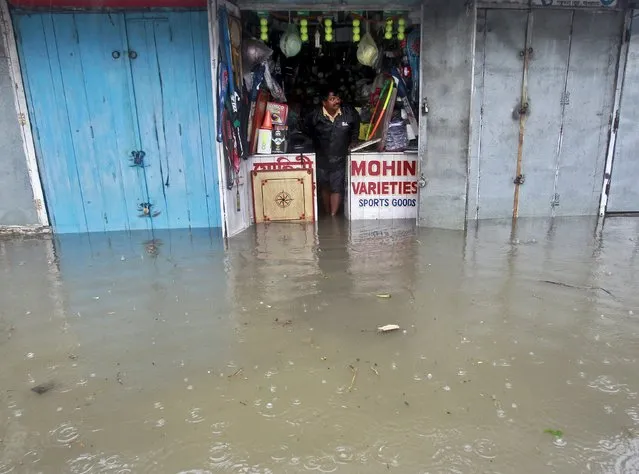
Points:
x=328 y=22
x=329 y=37
x=356 y=30
x=389 y=28
x=264 y=37
x=264 y=29
x=388 y=35
x=328 y=30
x=303 y=22
x=304 y=30
x=263 y=21
x=356 y=22
x=355 y=38
x=401 y=22
x=304 y=37
x=401 y=29
x=389 y=21
x=401 y=36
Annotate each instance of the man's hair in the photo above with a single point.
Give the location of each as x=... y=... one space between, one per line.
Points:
x=327 y=90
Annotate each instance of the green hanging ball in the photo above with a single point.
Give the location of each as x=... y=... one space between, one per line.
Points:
x=401 y=22
x=389 y=21
x=304 y=36
x=356 y=22
x=356 y=30
x=356 y=38
x=328 y=30
x=389 y=28
x=264 y=29
x=329 y=37
x=401 y=29
x=264 y=37
x=401 y=36
x=328 y=22
x=263 y=21
x=304 y=30
x=303 y=22
x=388 y=35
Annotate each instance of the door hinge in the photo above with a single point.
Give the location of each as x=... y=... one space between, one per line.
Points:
x=554 y=201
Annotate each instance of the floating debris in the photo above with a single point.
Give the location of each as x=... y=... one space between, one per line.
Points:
x=388 y=328
x=43 y=388
x=383 y=296
x=354 y=370
x=555 y=433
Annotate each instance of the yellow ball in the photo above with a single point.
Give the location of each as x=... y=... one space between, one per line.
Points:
x=304 y=37
x=328 y=30
x=304 y=30
x=388 y=35
x=356 y=30
x=328 y=22
x=329 y=37
x=355 y=38
x=263 y=21
x=401 y=29
x=401 y=36
x=356 y=22
x=264 y=29
x=264 y=37
x=401 y=22
x=303 y=22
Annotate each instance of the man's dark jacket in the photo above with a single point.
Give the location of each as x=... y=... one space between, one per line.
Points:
x=332 y=139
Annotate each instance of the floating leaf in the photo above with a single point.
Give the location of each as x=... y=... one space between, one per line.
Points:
x=388 y=328
x=555 y=433
x=383 y=295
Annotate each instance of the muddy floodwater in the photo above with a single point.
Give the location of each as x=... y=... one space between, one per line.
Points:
x=517 y=350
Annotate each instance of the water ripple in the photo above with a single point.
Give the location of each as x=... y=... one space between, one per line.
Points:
x=605 y=384
x=195 y=416
x=99 y=463
x=65 y=434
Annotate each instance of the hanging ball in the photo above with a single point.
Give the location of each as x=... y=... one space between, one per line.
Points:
x=303 y=22
x=304 y=36
x=264 y=36
x=356 y=22
x=401 y=22
x=263 y=21
x=328 y=22
x=329 y=37
x=356 y=30
x=389 y=21
x=304 y=30
x=328 y=30
x=401 y=29
x=388 y=35
x=355 y=38
x=400 y=36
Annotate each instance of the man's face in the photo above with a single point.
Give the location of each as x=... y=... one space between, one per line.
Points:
x=332 y=103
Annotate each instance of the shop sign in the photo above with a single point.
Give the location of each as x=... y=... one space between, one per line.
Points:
x=383 y=187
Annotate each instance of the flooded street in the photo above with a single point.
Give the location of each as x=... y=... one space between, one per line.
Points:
x=517 y=350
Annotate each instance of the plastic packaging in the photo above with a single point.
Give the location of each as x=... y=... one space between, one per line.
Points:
x=291 y=42
x=397 y=136
x=367 y=51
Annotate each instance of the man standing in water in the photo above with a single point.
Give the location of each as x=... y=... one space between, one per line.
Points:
x=333 y=127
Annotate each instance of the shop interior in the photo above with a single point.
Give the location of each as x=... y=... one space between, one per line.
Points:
x=281 y=60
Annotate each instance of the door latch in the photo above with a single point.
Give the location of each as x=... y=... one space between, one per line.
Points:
x=520 y=179
x=424 y=106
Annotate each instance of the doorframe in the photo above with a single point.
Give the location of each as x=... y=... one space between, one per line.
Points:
x=616 y=108
x=22 y=114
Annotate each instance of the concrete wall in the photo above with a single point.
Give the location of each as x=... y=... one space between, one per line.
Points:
x=16 y=197
x=447 y=69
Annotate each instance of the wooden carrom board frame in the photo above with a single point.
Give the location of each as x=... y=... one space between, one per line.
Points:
x=305 y=176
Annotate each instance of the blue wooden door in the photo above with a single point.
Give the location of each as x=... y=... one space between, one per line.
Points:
x=103 y=85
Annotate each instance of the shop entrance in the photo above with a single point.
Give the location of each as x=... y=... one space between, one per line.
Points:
x=370 y=59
